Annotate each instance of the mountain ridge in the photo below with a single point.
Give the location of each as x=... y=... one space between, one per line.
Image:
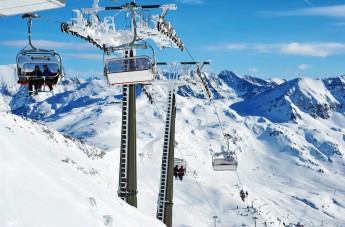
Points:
x=289 y=166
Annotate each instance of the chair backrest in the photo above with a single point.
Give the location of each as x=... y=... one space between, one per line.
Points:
x=129 y=70
x=25 y=75
x=225 y=164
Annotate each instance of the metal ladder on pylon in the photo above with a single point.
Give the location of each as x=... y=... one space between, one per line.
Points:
x=146 y=92
x=162 y=197
x=203 y=81
x=122 y=191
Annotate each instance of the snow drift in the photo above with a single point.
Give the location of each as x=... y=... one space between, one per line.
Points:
x=48 y=179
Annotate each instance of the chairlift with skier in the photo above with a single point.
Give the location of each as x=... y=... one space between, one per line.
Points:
x=27 y=59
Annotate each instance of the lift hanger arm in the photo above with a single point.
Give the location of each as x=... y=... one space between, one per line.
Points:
x=134 y=6
x=185 y=63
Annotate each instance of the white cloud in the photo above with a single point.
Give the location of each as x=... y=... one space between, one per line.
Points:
x=194 y=2
x=311 y=49
x=46 y=44
x=84 y=74
x=235 y=47
x=304 y=67
x=87 y=56
x=294 y=48
x=326 y=11
x=339 y=23
x=253 y=70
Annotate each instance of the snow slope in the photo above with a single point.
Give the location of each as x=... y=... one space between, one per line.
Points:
x=51 y=180
x=292 y=169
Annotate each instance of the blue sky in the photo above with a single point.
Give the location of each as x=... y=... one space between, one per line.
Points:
x=265 y=38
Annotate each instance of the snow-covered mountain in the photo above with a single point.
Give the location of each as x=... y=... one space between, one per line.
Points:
x=48 y=179
x=289 y=136
x=289 y=100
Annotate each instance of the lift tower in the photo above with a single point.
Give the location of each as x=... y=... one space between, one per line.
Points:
x=128 y=149
x=165 y=196
x=86 y=24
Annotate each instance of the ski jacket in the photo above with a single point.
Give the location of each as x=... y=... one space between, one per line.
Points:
x=36 y=73
x=47 y=73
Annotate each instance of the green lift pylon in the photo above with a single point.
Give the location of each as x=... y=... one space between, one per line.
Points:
x=128 y=149
x=165 y=197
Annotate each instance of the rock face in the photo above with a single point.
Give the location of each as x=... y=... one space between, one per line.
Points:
x=276 y=99
x=289 y=100
x=228 y=85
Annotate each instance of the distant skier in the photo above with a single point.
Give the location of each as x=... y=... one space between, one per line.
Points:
x=181 y=173
x=176 y=171
x=242 y=195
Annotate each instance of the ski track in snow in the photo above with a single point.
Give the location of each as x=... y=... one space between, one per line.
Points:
x=289 y=136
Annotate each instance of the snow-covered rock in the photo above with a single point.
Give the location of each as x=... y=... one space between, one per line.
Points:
x=289 y=100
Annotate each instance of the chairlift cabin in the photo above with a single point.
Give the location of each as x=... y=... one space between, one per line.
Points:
x=129 y=70
x=227 y=162
x=180 y=162
x=28 y=59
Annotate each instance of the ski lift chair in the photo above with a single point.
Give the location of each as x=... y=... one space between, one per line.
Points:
x=228 y=162
x=180 y=162
x=28 y=59
x=129 y=70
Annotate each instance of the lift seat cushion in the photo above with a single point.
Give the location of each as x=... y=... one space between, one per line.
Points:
x=24 y=80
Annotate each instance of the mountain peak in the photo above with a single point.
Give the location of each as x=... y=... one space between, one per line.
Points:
x=274 y=127
x=289 y=100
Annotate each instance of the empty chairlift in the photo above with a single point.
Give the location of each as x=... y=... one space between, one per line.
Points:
x=225 y=162
x=129 y=70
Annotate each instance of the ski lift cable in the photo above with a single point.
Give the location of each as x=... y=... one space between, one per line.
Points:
x=48 y=19
x=307 y=1
x=116 y=2
x=220 y=124
x=201 y=189
x=25 y=46
x=239 y=180
x=211 y=99
x=216 y=111
x=190 y=55
x=118 y=13
x=190 y=169
x=188 y=166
